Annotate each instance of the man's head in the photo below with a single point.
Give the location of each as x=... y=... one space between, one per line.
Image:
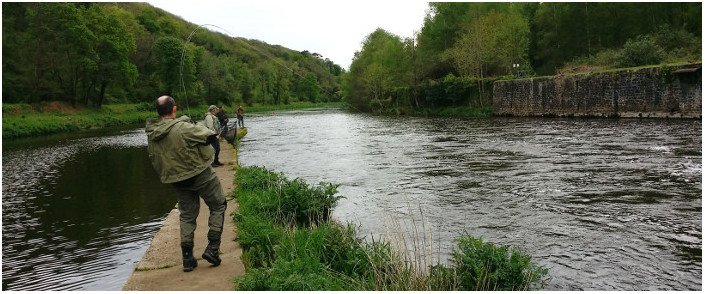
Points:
x=222 y=108
x=213 y=109
x=166 y=106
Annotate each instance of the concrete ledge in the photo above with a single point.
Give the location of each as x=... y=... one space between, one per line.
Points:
x=161 y=269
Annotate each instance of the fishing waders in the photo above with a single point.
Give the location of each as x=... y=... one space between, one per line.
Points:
x=207 y=186
x=190 y=262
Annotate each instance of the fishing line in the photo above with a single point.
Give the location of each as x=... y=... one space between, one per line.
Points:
x=183 y=57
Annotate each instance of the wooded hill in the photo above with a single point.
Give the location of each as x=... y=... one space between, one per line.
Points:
x=90 y=54
x=463 y=47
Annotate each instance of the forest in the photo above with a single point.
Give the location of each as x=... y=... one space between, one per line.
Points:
x=463 y=47
x=91 y=54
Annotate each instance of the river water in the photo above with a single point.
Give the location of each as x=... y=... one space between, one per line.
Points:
x=79 y=211
x=603 y=204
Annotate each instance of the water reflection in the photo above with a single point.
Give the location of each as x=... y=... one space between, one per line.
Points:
x=604 y=204
x=78 y=213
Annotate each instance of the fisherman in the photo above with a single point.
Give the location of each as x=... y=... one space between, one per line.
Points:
x=180 y=153
x=212 y=123
x=223 y=119
x=241 y=117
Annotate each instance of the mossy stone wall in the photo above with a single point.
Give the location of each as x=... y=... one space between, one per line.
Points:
x=668 y=91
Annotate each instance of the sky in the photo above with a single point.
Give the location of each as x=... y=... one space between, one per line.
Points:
x=334 y=29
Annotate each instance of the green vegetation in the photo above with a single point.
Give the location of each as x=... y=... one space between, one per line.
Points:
x=465 y=46
x=255 y=108
x=24 y=120
x=92 y=54
x=290 y=243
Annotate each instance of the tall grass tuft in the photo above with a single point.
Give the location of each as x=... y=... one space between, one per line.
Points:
x=291 y=243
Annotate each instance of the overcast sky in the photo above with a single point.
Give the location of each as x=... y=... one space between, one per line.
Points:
x=334 y=29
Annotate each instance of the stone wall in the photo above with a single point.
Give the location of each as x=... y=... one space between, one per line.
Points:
x=669 y=91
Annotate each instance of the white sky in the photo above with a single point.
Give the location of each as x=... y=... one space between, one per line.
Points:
x=334 y=29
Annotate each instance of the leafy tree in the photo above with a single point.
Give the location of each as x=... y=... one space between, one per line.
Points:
x=167 y=53
x=113 y=46
x=491 y=45
x=18 y=55
x=378 y=68
x=96 y=53
x=148 y=18
x=65 y=53
x=309 y=88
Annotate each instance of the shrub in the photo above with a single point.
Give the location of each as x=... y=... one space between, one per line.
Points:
x=290 y=201
x=485 y=266
x=642 y=51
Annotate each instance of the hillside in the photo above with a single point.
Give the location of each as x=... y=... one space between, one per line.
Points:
x=90 y=54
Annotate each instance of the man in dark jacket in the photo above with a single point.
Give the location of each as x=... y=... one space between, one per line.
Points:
x=180 y=154
x=223 y=119
x=241 y=116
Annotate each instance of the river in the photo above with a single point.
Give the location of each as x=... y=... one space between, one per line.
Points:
x=603 y=204
x=78 y=211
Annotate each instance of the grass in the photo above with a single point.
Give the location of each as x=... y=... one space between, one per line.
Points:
x=24 y=120
x=257 y=108
x=290 y=243
x=27 y=120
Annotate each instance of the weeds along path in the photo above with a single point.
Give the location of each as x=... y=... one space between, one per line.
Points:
x=161 y=267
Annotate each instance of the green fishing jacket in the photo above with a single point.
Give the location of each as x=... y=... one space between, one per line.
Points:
x=177 y=148
x=212 y=122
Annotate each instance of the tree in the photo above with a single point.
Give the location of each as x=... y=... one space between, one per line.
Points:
x=113 y=46
x=309 y=88
x=167 y=53
x=379 y=67
x=64 y=52
x=97 y=53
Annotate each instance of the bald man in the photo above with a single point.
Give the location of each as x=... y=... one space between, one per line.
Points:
x=180 y=153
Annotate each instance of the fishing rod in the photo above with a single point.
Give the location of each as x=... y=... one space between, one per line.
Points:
x=183 y=57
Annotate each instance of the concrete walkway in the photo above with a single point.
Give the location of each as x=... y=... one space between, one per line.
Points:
x=161 y=266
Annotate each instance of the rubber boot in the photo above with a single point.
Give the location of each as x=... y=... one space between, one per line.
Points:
x=190 y=261
x=212 y=253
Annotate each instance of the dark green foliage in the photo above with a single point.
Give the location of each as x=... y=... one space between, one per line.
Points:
x=482 y=40
x=89 y=54
x=642 y=51
x=289 y=202
x=485 y=266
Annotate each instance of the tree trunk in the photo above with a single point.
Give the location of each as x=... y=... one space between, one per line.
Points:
x=101 y=96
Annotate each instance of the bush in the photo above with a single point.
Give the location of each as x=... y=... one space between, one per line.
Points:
x=642 y=51
x=484 y=266
x=290 y=201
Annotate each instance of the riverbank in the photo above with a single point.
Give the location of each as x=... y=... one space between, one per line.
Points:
x=160 y=269
x=28 y=120
x=306 y=249
x=258 y=108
